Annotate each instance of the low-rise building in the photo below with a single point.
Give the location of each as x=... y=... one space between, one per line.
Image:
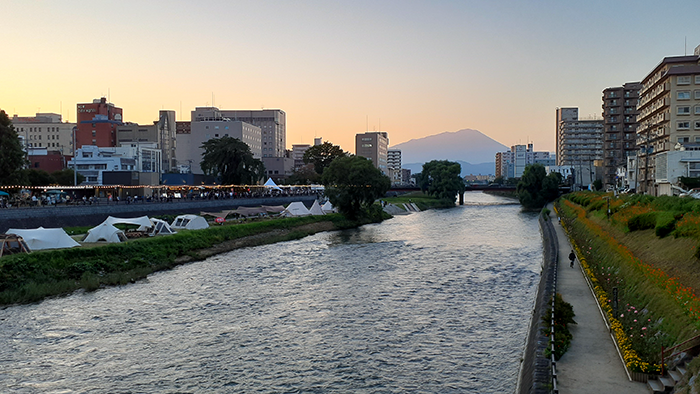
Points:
x=45 y=130
x=91 y=161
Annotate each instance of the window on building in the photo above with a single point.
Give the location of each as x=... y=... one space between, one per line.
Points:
x=697 y=125
x=683 y=125
x=683 y=110
x=366 y=145
x=683 y=95
x=683 y=80
x=697 y=79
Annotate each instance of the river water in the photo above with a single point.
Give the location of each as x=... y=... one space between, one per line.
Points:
x=436 y=301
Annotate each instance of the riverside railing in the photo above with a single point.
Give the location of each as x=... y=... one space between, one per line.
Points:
x=537 y=371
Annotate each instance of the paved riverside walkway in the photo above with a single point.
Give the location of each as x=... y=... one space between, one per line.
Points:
x=592 y=364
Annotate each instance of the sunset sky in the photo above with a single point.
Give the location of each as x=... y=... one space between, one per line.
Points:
x=416 y=68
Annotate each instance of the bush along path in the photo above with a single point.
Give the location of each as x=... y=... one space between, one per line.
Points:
x=32 y=277
x=652 y=309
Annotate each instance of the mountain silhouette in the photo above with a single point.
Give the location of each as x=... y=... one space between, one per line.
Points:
x=470 y=147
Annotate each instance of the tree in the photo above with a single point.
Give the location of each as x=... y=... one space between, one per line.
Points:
x=231 y=160
x=321 y=156
x=536 y=188
x=441 y=178
x=353 y=184
x=65 y=177
x=12 y=157
x=304 y=175
x=39 y=177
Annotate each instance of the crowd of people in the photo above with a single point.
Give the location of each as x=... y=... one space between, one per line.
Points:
x=39 y=199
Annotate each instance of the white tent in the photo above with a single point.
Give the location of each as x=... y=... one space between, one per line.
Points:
x=296 y=208
x=271 y=184
x=157 y=227
x=139 y=221
x=316 y=209
x=45 y=238
x=189 y=222
x=328 y=207
x=105 y=232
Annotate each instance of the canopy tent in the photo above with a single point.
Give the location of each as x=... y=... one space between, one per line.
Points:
x=139 y=221
x=4 y=194
x=273 y=208
x=316 y=209
x=12 y=244
x=157 y=227
x=296 y=208
x=189 y=222
x=271 y=184
x=221 y=214
x=328 y=207
x=45 y=238
x=105 y=232
x=249 y=211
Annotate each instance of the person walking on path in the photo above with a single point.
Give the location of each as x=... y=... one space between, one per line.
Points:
x=572 y=258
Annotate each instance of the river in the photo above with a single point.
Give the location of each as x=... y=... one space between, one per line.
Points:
x=437 y=301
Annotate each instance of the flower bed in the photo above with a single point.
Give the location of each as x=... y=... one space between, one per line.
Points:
x=654 y=310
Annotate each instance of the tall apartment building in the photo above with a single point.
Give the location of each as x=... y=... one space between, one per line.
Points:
x=579 y=144
x=298 y=151
x=374 y=145
x=669 y=117
x=162 y=132
x=97 y=123
x=619 y=130
x=45 y=130
x=393 y=163
x=272 y=123
x=208 y=123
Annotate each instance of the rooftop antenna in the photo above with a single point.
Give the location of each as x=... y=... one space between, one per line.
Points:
x=180 y=109
x=685 y=45
x=109 y=100
x=212 y=99
x=366 y=122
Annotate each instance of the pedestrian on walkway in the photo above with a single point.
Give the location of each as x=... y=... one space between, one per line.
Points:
x=572 y=257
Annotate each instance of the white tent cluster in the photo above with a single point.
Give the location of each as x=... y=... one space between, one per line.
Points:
x=299 y=209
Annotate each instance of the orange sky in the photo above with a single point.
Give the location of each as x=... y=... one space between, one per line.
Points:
x=417 y=68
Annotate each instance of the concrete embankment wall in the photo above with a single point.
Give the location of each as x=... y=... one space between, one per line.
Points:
x=91 y=215
x=536 y=369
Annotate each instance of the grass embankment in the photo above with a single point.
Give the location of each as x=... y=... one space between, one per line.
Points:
x=33 y=277
x=422 y=200
x=647 y=250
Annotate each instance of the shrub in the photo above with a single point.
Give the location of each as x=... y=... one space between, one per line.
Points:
x=643 y=221
x=665 y=223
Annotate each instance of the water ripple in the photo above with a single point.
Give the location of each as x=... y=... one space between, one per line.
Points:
x=432 y=302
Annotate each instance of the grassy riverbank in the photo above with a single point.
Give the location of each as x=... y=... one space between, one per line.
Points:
x=646 y=249
x=422 y=200
x=33 y=277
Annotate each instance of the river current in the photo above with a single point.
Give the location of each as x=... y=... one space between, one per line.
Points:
x=437 y=301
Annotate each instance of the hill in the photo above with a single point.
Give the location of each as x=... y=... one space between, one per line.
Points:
x=465 y=146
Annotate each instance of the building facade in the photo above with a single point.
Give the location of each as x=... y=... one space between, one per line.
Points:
x=162 y=132
x=511 y=164
x=619 y=130
x=92 y=161
x=669 y=117
x=298 y=151
x=393 y=163
x=97 y=123
x=579 y=144
x=208 y=123
x=272 y=124
x=45 y=130
x=374 y=145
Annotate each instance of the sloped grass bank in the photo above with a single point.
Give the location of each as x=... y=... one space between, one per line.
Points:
x=33 y=277
x=654 y=309
x=422 y=200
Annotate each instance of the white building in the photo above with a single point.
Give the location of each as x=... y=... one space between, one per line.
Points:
x=209 y=123
x=511 y=164
x=45 y=130
x=393 y=163
x=683 y=161
x=91 y=161
x=273 y=126
x=298 y=151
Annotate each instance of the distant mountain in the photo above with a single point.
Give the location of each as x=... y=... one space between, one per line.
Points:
x=467 y=168
x=465 y=146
